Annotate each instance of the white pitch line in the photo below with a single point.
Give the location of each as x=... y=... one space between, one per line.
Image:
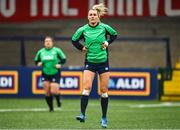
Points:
x=166 y=104
x=65 y=129
x=31 y=110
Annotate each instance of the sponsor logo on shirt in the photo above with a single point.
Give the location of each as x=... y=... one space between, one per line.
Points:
x=48 y=57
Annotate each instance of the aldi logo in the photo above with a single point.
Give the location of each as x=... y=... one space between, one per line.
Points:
x=70 y=83
x=128 y=83
x=8 y=82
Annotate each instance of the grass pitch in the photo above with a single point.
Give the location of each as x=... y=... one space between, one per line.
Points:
x=122 y=114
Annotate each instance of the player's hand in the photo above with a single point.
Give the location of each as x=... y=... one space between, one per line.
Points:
x=105 y=45
x=84 y=50
x=58 y=66
x=39 y=64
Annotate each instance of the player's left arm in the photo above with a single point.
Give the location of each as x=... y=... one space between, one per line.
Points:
x=112 y=34
x=62 y=58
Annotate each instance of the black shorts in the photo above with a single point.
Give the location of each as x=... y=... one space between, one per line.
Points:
x=51 y=78
x=97 y=67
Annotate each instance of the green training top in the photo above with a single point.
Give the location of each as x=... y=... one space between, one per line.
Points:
x=49 y=58
x=94 y=37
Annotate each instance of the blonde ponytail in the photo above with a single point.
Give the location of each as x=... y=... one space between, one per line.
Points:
x=101 y=9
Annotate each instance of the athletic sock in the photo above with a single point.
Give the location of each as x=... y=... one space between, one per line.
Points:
x=84 y=102
x=58 y=100
x=104 y=106
x=49 y=100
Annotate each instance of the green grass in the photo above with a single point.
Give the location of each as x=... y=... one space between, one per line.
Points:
x=122 y=114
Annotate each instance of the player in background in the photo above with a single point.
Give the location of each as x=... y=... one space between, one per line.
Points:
x=51 y=59
x=95 y=35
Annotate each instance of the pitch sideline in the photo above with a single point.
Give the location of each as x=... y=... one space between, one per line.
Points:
x=165 y=104
x=31 y=110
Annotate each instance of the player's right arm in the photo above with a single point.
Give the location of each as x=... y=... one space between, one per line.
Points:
x=37 y=59
x=78 y=35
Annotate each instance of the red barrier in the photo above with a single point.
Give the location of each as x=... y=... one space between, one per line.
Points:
x=30 y=10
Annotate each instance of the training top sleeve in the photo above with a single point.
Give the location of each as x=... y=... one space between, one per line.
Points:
x=78 y=35
x=61 y=56
x=112 y=33
x=37 y=57
x=110 y=30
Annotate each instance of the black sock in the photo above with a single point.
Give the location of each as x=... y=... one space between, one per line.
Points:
x=49 y=100
x=58 y=100
x=104 y=106
x=84 y=102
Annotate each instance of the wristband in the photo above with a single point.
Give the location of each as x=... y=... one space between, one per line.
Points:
x=106 y=43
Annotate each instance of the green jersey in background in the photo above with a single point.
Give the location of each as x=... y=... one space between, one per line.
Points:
x=49 y=58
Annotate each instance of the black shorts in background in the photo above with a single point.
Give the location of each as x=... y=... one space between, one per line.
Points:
x=51 y=78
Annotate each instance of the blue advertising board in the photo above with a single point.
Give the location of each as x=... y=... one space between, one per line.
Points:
x=124 y=83
x=8 y=82
x=129 y=83
x=70 y=83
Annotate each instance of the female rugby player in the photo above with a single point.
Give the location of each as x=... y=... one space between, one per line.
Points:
x=95 y=34
x=51 y=59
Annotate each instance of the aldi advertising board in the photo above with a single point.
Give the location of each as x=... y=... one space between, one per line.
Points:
x=8 y=82
x=70 y=83
x=124 y=83
x=129 y=83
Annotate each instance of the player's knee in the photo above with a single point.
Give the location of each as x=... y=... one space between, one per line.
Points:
x=104 y=89
x=54 y=88
x=54 y=91
x=45 y=84
x=47 y=93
